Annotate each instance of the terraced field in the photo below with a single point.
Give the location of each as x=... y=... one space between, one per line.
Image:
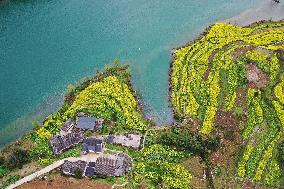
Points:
x=240 y=72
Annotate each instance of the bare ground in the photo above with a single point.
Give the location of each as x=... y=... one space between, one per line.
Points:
x=59 y=182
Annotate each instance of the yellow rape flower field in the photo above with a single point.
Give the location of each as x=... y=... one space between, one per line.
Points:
x=236 y=72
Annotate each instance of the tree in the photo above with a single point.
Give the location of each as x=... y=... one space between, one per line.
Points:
x=184 y=139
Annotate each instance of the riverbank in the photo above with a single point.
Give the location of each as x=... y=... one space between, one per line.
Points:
x=269 y=10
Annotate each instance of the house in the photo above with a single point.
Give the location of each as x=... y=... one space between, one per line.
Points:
x=67 y=127
x=70 y=167
x=106 y=165
x=129 y=140
x=90 y=169
x=113 y=165
x=89 y=123
x=93 y=145
x=61 y=143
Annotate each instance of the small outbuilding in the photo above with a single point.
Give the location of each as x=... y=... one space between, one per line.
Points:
x=129 y=140
x=67 y=127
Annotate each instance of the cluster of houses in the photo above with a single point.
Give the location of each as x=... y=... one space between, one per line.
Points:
x=71 y=134
x=107 y=165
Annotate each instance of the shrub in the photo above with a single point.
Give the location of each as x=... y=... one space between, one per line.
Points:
x=78 y=173
x=17 y=159
x=281 y=155
x=2 y=160
x=160 y=152
x=171 y=175
x=3 y=171
x=184 y=139
x=10 y=180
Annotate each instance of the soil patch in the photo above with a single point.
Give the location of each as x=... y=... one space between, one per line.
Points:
x=240 y=51
x=196 y=168
x=257 y=79
x=227 y=120
x=59 y=182
x=241 y=97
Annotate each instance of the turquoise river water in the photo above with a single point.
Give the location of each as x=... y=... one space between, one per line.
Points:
x=47 y=44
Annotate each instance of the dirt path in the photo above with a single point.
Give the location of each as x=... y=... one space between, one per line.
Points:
x=60 y=182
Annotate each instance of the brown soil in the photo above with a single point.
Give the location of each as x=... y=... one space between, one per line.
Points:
x=241 y=97
x=248 y=185
x=59 y=182
x=193 y=123
x=227 y=120
x=210 y=60
x=225 y=156
x=240 y=51
x=28 y=169
x=257 y=79
x=196 y=168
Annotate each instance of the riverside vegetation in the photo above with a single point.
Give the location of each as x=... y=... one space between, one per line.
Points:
x=226 y=90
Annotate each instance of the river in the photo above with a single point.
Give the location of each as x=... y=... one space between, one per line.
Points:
x=45 y=45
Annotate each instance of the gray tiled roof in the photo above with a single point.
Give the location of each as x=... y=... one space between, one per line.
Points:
x=88 y=123
x=117 y=165
x=90 y=171
x=129 y=140
x=108 y=165
x=93 y=145
x=67 y=125
x=61 y=143
x=69 y=167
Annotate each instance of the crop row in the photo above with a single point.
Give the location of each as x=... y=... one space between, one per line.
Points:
x=278 y=91
x=266 y=157
x=255 y=112
x=263 y=147
x=273 y=174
